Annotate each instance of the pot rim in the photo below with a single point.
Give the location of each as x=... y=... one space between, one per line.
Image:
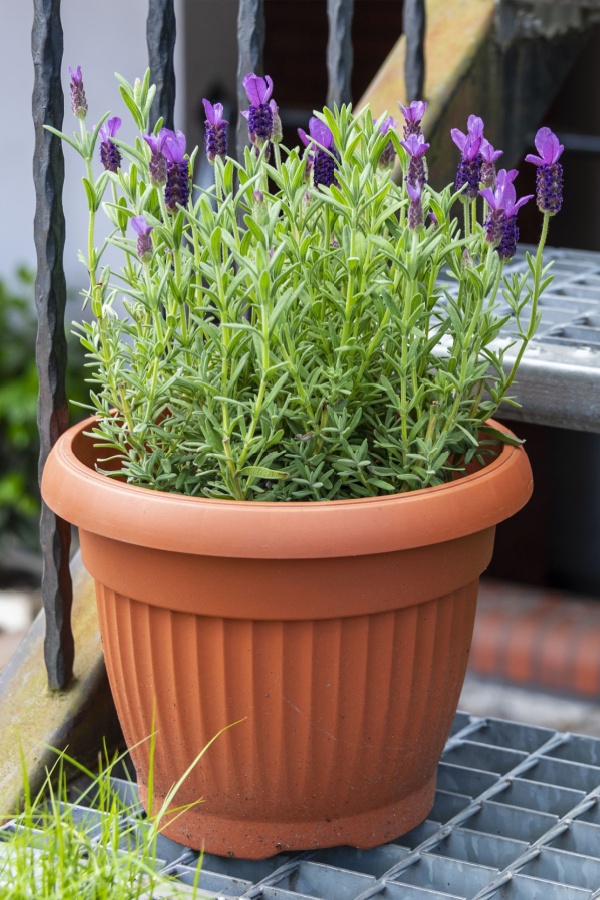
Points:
x=271 y=529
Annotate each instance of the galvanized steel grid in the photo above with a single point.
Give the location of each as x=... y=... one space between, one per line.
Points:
x=570 y=306
x=516 y=817
x=558 y=383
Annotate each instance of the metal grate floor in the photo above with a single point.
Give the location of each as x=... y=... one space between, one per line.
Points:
x=516 y=817
x=559 y=377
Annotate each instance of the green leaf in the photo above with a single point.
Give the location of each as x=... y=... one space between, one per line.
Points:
x=131 y=106
x=262 y=472
x=90 y=191
x=73 y=142
x=215 y=245
x=264 y=285
x=178 y=228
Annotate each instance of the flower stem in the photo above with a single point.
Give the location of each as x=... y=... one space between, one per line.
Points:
x=535 y=297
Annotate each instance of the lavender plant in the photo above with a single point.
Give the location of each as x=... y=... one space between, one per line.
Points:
x=290 y=334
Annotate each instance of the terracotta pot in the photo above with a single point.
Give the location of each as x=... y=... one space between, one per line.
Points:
x=338 y=632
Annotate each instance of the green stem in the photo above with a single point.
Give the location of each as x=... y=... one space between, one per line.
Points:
x=467 y=217
x=349 y=291
x=237 y=489
x=91 y=233
x=254 y=422
x=535 y=296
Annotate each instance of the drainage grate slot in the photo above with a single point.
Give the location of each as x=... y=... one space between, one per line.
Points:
x=460 y=780
x=574 y=335
x=579 y=837
x=565 y=868
x=419 y=834
x=577 y=748
x=317 y=880
x=521 y=887
x=444 y=874
x=274 y=893
x=585 y=290
x=83 y=792
x=543 y=797
x=369 y=862
x=486 y=850
x=242 y=869
x=211 y=882
x=480 y=756
x=447 y=806
x=509 y=821
x=564 y=773
x=592 y=815
x=461 y=720
x=511 y=735
x=410 y=892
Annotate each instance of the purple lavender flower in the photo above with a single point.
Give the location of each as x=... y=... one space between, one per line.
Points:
x=469 y=168
x=413 y=113
x=488 y=168
x=78 y=98
x=304 y=137
x=215 y=138
x=158 y=163
x=177 y=188
x=416 y=146
x=144 y=241
x=259 y=113
x=325 y=159
x=501 y=225
x=415 y=209
x=109 y=152
x=388 y=154
x=549 y=173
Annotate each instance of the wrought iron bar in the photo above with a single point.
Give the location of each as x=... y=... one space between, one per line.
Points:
x=251 y=40
x=160 y=37
x=51 y=345
x=414 y=66
x=339 y=51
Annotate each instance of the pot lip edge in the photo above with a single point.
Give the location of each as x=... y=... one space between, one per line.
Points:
x=63 y=448
x=132 y=515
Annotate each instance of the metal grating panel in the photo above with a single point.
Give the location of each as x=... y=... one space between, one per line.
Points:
x=516 y=817
x=559 y=377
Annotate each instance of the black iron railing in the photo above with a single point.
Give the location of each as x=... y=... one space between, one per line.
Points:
x=48 y=108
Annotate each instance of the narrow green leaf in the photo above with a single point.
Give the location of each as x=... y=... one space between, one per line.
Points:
x=215 y=245
x=90 y=191
x=255 y=229
x=262 y=472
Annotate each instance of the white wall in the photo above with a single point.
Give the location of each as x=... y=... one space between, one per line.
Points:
x=103 y=36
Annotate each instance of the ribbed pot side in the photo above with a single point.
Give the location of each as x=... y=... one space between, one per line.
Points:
x=339 y=675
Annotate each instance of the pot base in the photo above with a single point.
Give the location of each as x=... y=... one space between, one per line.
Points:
x=251 y=839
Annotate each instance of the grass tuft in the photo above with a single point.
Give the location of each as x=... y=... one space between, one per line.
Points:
x=85 y=839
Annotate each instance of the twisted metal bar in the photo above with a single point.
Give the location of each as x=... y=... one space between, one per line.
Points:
x=251 y=40
x=51 y=345
x=414 y=67
x=339 y=51
x=160 y=37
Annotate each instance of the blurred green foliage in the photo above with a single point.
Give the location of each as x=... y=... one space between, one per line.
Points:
x=19 y=442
